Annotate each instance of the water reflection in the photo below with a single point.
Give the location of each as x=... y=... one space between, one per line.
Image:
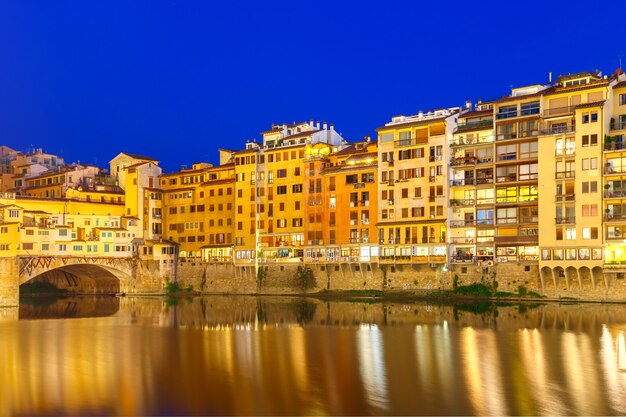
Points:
x=278 y=356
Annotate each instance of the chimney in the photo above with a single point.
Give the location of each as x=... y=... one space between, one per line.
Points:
x=332 y=126
x=480 y=101
x=311 y=124
x=318 y=126
x=325 y=126
x=366 y=139
x=468 y=104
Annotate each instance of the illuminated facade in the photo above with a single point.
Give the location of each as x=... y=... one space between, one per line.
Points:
x=534 y=179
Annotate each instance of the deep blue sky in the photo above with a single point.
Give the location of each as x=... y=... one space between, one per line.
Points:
x=178 y=79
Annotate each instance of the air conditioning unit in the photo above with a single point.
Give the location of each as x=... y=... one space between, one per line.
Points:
x=391 y=241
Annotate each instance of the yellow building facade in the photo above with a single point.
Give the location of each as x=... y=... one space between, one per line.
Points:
x=413 y=187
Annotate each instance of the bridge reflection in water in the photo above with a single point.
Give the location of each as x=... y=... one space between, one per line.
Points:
x=267 y=356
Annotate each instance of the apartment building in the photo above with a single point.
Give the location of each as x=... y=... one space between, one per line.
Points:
x=573 y=123
x=413 y=154
x=278 y=185
x=349 y=206
x=472 y=186
x=199 y=211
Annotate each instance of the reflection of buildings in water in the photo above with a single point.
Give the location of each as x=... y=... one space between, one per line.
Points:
x=613 y=354
x=535 y=367
x=372 y=365
x=483 y=373
x=580 y=366
x=621 y=352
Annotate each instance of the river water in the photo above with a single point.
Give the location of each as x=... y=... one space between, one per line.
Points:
x=224 y=355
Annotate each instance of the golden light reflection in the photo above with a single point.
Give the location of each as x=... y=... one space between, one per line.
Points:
x=219 y=357
x=481 y=365
x=372 y=365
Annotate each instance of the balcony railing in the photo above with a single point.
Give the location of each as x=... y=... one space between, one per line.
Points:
x=611 y=145
x=614 y=217
x=565 y=175
x=475 y=125
x=462 y=202
x=472 y=141
x=462 y=223
x=410 y=142
x=461 y=240
x=507 y=178
x=557 y=129
x=463 y=160
x=558 y=111
x=463 y=182
x=565 y=220
x=484 y=180
x=565 y=197
x=507 y=114
x=618 y=125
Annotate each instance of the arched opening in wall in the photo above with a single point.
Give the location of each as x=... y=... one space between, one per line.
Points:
x=545 y=274
x=599 y=278
x=76 y=279
x=571 y=277
x=558 y=275
x=586 y=280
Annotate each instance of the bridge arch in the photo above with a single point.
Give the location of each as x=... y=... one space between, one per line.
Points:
x=84 y=275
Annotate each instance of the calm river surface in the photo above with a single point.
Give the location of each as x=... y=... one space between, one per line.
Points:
x=290 y=356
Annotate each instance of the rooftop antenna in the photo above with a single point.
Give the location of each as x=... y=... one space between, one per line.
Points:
x=550 y=77
x=620 y=60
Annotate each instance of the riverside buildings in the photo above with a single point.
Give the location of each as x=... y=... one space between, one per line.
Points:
x=533 y=182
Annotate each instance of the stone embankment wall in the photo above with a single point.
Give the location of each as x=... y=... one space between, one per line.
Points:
x=423 y=278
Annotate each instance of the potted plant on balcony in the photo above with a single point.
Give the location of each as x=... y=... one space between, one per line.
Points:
x=612 y=123
x=607 y=193
x=609 y=144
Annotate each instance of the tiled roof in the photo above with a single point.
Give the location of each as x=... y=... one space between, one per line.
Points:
x=414 y=122
x=137 y=156
x=592 y=104
x=620 y=84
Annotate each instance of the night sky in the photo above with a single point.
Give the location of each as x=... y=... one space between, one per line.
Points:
x=178 y=79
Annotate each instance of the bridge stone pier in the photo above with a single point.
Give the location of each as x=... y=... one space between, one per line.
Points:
x=83 y=274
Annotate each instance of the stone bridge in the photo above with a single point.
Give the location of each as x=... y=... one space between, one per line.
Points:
x=83 y=274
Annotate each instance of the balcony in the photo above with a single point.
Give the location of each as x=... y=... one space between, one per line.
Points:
x=609 y=217
x=618 y=125
x=570 y=175
x=431 y=178
x=483 y=124
x=565 y=220
x=611 y=145
x=461 y=240
x=365 y=203
x=506 y=114
x=410 y=142
x=507 y=178
x=462 y=223
x=565 y=197
x=516 y=240
x=557 y=129
x=484 y=180
x=558 y=111
x=359 y=185
x=434 y=158
x=462 y=202
x=480 y=140
x=461 y=183
x=463 y=160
